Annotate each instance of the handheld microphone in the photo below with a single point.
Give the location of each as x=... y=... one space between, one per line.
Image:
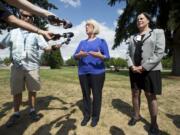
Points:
x=66 y=24
x=68 y=35
x=64 y=35
x=55 y=47
x=54 y=20
x=67 y=41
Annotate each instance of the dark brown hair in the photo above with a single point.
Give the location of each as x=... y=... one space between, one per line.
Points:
x=148 y=16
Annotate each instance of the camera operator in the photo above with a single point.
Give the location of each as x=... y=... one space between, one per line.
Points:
x=25 y=56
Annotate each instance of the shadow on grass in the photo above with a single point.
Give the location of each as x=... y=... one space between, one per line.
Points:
x=5 y=108
x=175 y=119
x=116 y=131
x=65 y=123
x=126 y=109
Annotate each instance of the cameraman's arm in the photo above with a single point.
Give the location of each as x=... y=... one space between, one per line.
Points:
x=28 y=6
x=17 y=22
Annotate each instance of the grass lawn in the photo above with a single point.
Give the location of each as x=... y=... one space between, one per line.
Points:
x=60 y=104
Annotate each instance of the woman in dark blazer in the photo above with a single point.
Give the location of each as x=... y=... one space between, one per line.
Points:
x=146 y=49
x=91 y=54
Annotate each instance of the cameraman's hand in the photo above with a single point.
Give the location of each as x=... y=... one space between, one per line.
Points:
x=48 y=35
x=55 y=47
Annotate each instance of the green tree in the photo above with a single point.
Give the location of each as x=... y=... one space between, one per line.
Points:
x=55 y=59
x=167 y=62
x=117 y=63
x=40 y=21
x=71 y=62
x=7 y=61
x=45 y=59
x=167 y=13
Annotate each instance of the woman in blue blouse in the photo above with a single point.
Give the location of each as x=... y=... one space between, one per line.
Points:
x=91 y=54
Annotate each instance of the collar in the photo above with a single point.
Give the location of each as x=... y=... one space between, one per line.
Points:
x=147 y=34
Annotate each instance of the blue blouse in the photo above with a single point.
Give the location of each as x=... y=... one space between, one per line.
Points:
x=90 y=64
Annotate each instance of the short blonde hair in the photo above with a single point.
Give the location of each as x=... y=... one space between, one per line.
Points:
x=95 y=24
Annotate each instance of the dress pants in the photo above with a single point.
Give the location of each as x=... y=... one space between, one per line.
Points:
x=94 y=83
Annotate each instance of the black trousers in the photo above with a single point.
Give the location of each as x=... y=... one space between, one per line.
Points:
x=95 y=83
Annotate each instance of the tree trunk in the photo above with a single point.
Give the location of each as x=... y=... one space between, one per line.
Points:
x=176 y=53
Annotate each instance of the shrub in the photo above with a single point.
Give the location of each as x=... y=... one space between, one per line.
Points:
x=71 y=62
x=167 y=62
x=116 y=62
x=7 y=61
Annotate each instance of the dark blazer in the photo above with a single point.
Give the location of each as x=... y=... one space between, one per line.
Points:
x=152 y=50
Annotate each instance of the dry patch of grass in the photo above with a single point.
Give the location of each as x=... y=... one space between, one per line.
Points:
x=59 y=102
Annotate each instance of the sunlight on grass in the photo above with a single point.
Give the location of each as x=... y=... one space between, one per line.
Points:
x=60 y=102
